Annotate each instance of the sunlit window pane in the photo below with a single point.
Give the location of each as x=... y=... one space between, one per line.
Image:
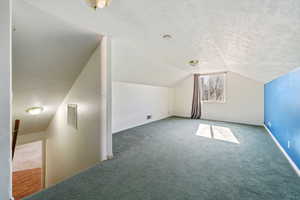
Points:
x=213 y=87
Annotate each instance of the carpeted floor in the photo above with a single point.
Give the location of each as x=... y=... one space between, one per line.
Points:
x=166 y=160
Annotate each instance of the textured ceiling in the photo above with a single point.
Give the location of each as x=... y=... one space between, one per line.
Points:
x=48 y=55
x=256 y=38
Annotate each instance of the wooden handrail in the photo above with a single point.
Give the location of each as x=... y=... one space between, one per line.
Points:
x=15 y=136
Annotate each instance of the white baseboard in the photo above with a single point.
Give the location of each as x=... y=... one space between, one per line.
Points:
x=293 y=164
x=110 y=157
x=140 y=124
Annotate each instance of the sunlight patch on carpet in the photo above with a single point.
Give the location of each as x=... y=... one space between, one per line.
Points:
x=217 y=133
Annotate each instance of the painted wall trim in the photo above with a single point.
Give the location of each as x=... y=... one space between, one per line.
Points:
x=292 y=163
x=105 y=101
x=234 y=121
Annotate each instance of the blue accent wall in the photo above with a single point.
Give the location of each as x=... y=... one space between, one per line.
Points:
x=282 y=112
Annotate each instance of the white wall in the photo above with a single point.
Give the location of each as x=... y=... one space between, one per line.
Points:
x=131 y=103
x=69 y=150
x=28 y=156
x=30 y=137
x=244 y=101
x=5 y=99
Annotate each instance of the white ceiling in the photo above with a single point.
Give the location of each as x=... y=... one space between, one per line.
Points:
x=48 y=55
x=256 y=38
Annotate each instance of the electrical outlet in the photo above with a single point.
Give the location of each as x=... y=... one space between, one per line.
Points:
x=149 y=117
x=289 y=144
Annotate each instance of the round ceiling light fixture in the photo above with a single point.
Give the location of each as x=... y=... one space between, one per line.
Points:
x=35 y=110
x=98 y=3
x=194 y=63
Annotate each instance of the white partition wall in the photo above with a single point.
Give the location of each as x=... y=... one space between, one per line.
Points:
x=106 y=98
x=5 y=100
x=78 y=148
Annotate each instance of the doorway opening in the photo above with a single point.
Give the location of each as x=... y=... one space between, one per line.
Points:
x=27 y=169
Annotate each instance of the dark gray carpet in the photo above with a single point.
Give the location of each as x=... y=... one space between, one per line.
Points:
x=165 y=160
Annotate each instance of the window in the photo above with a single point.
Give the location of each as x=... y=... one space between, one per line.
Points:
x=213 y=87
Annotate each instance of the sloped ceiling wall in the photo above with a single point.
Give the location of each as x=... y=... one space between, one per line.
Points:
x=48 y=55
x=256 y=38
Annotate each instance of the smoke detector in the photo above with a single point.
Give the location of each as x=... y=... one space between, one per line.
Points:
x=97 y=3
x=167 y=36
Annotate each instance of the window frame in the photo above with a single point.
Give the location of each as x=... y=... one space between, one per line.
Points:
x=225 y=87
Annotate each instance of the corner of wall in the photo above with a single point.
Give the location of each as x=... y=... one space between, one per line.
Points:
x=171 y=101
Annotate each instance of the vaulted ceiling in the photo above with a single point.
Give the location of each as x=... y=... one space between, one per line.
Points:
x=48 y=54
x=256 y=38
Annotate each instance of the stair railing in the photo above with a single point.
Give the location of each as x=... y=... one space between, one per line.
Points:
x=15 y=137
